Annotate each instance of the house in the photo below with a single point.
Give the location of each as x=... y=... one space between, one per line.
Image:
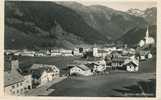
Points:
x=67 y=54
x=65 y=51
x=149 y=56
x=143 y=55
x=15 y=83
x=99 y=66
x=100 y=52
x=8 y=52
x=42 y=73
x=132 y=67
x=17 y=53
x=103 y=53
x=95 y=52
x=27 y=53
x=40 y=77
x=77 y=52
x=80 y=70
x=42 y=53
x=117 y=60
x=55 y=54
x=39 y=54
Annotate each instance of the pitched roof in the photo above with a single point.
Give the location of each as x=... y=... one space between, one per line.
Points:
x=38 y=69
x=90 y=65
x=131 y=63
x=83 y=67
x=36 y=66
x=37 y=73
x=143 y=53
x=12 y=77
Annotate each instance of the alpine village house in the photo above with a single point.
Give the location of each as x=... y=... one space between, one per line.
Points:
x=17 y=83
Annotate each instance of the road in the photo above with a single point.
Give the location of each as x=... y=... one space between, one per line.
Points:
x=44 y=89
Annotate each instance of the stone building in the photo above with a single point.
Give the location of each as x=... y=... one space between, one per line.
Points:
x=14 y=82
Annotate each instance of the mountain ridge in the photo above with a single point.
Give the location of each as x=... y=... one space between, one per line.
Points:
x=57 y=24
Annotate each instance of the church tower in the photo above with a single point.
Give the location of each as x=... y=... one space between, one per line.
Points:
x=147 y=34
x=148 y=39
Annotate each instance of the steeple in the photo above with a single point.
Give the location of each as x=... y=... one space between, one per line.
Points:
x=147 y=33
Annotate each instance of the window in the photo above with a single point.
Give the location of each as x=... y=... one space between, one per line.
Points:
x=13 y=92
x=10 y=90
x=17 y=84
x=13 y=87
x=21 y=90
x=17 y=91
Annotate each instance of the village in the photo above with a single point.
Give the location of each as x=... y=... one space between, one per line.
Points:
x=93 y=61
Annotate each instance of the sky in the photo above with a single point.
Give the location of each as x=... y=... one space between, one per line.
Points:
x=123 y=6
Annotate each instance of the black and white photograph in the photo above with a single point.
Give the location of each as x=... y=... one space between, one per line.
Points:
x=80 y=48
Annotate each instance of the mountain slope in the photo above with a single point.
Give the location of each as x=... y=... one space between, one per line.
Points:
x=65 y=24
x=136 y=34
x=110 y=22
x=39 y=20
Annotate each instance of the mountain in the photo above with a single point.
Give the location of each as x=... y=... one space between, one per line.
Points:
x=135 y=12
x=148 y=14
x=65 y=24
x=39 y=20
x=112 y=23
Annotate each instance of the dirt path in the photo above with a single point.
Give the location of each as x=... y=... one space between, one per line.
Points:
x=44 y=89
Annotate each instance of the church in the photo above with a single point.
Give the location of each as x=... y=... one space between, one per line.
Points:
x=147 y=40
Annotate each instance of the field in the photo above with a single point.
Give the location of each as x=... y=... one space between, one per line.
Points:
x=116 y=84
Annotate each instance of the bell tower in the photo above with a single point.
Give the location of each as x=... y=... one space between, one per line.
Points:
x=147 y=34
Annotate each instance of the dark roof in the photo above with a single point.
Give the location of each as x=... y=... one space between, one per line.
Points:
x=131 y=63
x=37 y=73
x=83 y=67
x=143 y=53
x=38 y=69
x=90 y=65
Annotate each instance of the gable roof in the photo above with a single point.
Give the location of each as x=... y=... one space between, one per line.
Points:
x=38 y=69
x=36 y=66
x=90 y=65
x=83 y=67
x=37 y=73
x=12 y=78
